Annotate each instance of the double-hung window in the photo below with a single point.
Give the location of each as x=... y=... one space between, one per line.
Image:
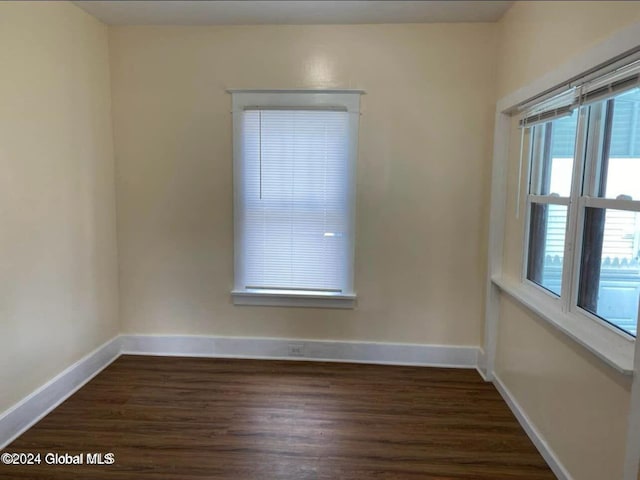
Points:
x=583 y=202
x=294 y=188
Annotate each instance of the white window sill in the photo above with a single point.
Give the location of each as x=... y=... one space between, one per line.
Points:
x=291 y=298
x=610 y=347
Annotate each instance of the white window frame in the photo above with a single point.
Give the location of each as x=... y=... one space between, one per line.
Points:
x=562 y=301
x=610 y=343
x=549 y=200
x=343 y=99
x=599 y=343
x=584 y=198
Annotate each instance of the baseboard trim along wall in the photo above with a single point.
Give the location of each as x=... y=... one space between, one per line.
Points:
x=31 y=409
x=23 y=415
x=532 y=432
x=297 y=349
x=35 y=406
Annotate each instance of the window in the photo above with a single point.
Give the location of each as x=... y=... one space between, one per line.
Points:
x=583 y=202
x=294 y=164
x=549 y=196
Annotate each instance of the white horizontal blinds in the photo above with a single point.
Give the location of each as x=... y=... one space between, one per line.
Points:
x=557 y=106
x=614 y=83
x=596 y=87
x=295 y=199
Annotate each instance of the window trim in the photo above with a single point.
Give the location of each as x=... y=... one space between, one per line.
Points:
x=344 y=99
x=313 y=300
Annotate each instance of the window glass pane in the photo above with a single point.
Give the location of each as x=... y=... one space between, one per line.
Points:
x=620 y=162
x=546 y=245
x=555 y=145
x=610 y=273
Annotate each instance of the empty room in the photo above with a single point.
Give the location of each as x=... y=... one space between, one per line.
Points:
x=319 y=240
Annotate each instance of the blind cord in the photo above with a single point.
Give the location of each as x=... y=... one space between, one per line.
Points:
x=519 y=189
x=260 y=149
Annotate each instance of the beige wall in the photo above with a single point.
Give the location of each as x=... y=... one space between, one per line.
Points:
x=422 y=182
x=58 y=265
x=538 y=36
x=578 y=404
x=422 y=174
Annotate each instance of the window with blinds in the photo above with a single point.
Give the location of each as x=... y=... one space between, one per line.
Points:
x=583 y=203
x=294 y=194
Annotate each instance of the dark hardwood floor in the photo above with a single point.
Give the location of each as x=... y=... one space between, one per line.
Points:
x=199 y=418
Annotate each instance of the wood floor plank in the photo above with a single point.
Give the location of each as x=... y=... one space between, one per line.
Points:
x=198 y=418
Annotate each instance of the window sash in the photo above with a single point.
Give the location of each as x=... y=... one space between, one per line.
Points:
x=592 y=211
x=540 y=160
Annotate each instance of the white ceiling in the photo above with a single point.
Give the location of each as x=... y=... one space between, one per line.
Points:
x=133 y=12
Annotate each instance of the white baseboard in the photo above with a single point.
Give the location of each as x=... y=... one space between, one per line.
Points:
x=34 y=407
x=27 y=412
x=279 y=348
x=23 y=415
x=534 y=434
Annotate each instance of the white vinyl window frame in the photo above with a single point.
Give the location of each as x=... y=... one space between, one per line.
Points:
x=347 y=100
x=587 y=196
x=606 y=341
x=599 y=344
x=586 y=166
x=535 y=159
x=610 y=343
x=562 y=301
